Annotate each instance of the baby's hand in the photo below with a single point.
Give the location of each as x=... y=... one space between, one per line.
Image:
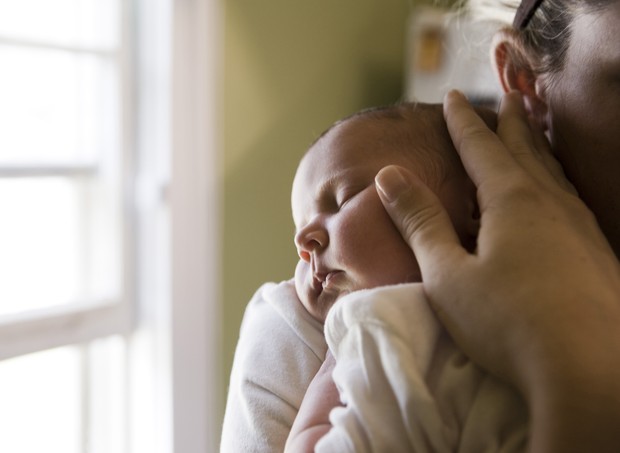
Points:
x=312 y=421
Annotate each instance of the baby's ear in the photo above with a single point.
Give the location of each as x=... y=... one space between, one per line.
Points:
x=515 y=66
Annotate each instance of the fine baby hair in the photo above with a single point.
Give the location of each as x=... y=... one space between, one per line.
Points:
x=416 y=129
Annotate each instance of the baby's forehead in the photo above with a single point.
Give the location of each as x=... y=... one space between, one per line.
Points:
x=369 y=136
x=362 y=134
x=351 y=142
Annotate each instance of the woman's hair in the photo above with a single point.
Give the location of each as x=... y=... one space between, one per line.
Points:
x=547 y=35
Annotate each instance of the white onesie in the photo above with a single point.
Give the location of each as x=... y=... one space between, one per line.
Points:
x=406 y=386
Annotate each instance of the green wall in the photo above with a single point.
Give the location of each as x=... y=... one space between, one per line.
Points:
x=291 y=69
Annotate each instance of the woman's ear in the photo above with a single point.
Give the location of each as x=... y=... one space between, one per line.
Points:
x=514 y=66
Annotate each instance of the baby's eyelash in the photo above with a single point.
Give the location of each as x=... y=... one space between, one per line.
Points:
x=348 y=194
x=349 y=198
x=342 y=199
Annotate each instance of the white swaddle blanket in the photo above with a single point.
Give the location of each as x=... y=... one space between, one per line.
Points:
x=407 y=387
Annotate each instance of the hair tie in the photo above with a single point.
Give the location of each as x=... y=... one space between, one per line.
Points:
x=526 y=10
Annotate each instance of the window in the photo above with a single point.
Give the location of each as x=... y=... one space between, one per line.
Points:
x=67 y=295
x=108 y=301
x=63 y=163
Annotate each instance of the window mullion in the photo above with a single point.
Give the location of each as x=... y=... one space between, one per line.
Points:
x=60 y=326
x=86 y=400
x=48 y=45
x=48 y=169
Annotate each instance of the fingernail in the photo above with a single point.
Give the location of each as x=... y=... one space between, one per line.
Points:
x=454 y=93
x=391 y=182
x=515 y=95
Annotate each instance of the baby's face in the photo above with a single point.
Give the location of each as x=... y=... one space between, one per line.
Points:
x=345 y=239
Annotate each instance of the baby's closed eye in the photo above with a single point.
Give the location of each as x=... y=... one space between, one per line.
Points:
x=346 y=194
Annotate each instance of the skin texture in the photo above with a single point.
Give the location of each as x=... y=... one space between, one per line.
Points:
x=332 y=190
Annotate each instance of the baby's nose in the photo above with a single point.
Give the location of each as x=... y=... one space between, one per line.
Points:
x=310 y=238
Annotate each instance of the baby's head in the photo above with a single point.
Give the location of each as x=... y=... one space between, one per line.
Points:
x=345 y=239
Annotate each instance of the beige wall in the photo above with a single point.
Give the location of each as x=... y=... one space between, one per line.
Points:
x=291 y=69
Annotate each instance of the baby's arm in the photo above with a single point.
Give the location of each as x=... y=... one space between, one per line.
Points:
x=312 y=421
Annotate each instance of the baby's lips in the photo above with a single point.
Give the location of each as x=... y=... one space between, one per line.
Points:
x=317 y=284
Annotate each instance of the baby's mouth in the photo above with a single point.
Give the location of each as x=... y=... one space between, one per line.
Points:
x=317 y=284
x=328 y=279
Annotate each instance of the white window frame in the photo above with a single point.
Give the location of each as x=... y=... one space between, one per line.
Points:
x=186 y=323
x=195 y=206
x=45 y=329
x=182 y=326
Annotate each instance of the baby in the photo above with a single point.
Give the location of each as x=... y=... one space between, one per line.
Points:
x=403 y=383
x=344 y=236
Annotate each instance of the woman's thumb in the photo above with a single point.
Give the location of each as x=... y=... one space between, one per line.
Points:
x=420 y=217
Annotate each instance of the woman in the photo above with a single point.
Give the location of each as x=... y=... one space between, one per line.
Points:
x=539 y=302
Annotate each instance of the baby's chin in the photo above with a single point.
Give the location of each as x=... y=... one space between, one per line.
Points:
x=319 y=307
x=313 y=306
x=319 y=315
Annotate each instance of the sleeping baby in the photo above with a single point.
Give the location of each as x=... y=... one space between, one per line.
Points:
x=393 y=380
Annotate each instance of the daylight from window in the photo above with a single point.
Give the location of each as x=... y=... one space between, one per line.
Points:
x=62 y=164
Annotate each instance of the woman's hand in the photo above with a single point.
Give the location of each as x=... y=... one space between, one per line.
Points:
x=538 y=303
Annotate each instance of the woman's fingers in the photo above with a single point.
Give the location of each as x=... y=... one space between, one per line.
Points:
x=483 y=154
x=421 y=219
x=489 y=157
x=513 y=129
